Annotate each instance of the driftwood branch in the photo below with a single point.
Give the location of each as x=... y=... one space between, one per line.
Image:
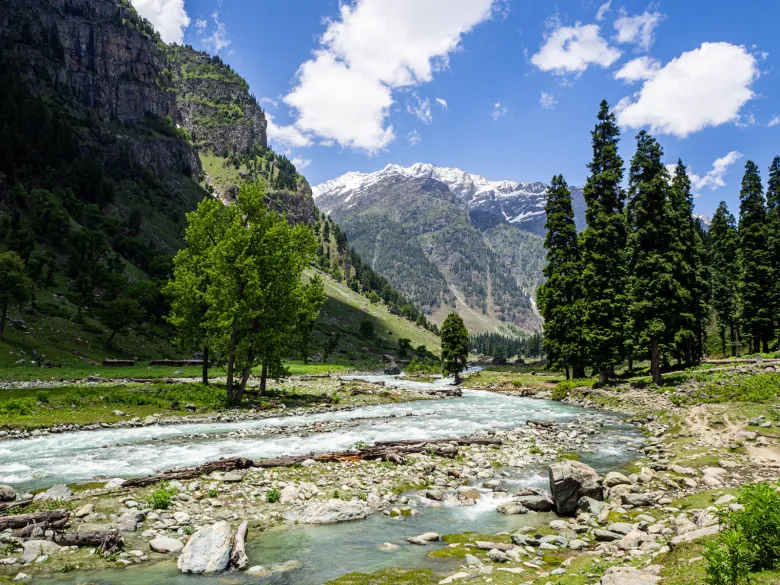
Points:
x=238 y=557
x=106 y=540
x=190 y=472
x=17 y=504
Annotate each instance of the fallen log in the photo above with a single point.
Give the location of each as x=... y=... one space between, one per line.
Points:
x=38 y=518
x=238 y=557
x=747 y=360
x=107 y=541
x=17 y=504
x=190 y=472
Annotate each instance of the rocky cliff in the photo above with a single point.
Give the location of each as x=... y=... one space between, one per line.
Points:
x=104 y=57
x=215 y=104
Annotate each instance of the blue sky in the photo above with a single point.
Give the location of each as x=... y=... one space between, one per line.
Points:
x=504 y=88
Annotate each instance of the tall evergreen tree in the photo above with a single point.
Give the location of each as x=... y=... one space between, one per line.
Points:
x=773 y=235
x=654 y=292
x=603 y=266
x=691 y=270
x=560 y=298
x=724 y=252
x=454 y=346
x=756 y=282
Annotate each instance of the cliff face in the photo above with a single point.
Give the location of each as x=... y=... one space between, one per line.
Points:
x=105 y=58
x=215 y=104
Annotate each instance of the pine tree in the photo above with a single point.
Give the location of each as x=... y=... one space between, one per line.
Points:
x=560 y=297
x=654 y=292
x=756 y=279
x=773 y=235
x=691 y=270
x=724 y=251
x=603 y=267
x=454 y=346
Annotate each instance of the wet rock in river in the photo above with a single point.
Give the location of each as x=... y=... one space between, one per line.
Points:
x=330 y=512
x=165 y=544
x=423 y=539
x=208 y=551
x=7 y=493
x=511 y=508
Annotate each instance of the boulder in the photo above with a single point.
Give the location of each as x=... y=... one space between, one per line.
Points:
x=393 y=369
x=606 y=535
x=570 y=481
x=497 y=556
x=164 y=544
x=208 y=551
x=436 y=495
x=114 y=483
x=535 y=503
x=470 y=493
x=289 y=494
x=331 y=512
x=129 y=521
x=511 y=508
x=7 y=493
x=37 y=548
x=629 y=576
x=57 y=492
x=85 y=510
x=423 y=539
x=614 y=478
x=620 y=527
x=645 y=499
x=590 y=505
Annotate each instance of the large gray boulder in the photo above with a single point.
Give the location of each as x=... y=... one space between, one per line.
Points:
x=57 y=492
x=393 y=369
x=631 y=576
x=330 y=512
x=208 y=551
x=535 y=503
x=570 y=481
x=37 y=548
x=129 y=521
x=7 y=493
x=165 y=544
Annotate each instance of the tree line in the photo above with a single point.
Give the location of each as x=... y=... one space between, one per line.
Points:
x=503 y=346
x=644 y=279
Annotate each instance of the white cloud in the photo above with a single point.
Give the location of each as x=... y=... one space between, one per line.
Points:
x=344 y=92
x=218 y=39
x=269 y=101
x=286 y=136
x=499 y=111
x=603 y=9
x=714 y=179
x=420 y=108
x=774 y=121
x=413 y=138
x=300 y=162
x=639 y=29
x=639 y=69
x=442 y=103
x=201 y=23
x=571 y=49
x=168 y=16
x=548 y=100
x=701 y=88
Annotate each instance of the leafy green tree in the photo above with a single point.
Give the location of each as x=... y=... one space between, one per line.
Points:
x=773 y=234
x=15 y=286
x=119 y=315
x=691 y=270
x=560 y=298
x=404 y=345
x=756 y=279
x=311 y=302
x=367 y=329
x=724 y=251
x=653 y=290
x=454 y=346
x=253 y=260
x=602 y=245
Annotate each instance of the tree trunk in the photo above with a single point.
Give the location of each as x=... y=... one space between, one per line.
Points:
x=631 y=363
x=756 y=344
x=110 y=337
x=263 y=378
x=733 y=339
x=578 y=370
x=242 y=386
x=3 y=318
x=655 y=362
x=231 y=365
x=238 y=557
x=765 y=345
x=205 y=366
x=567 y=371
x=603 y=376
x=723 y=342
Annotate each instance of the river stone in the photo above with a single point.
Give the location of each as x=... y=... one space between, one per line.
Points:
x=165 y=544
x=620 y=527
x=58 y=492
x=723 y=500
x=436 y=495
x=570 y=481
x=511 y=508
x=331 y=512
x=208 y=551
x=388 y=547
x=535 y=503
x=454 y=577
x=645 y=499
x=628 y=576
x=483 y=545
x=472 y=560
x=590 y=505
x=614 y=478
x=423 y=539
x=577 y=544
x=289 y=494
x=606 y=535
x=286 y=567
x=129 y=521
x=7 y=493
x=470 y=493
x=84 y=511
x=36 y=548
x=114 y=483
x=258 y=571
x=497 y=556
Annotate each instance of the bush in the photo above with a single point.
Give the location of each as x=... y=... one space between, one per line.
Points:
x=563 y=388
x=750 y=540
x=423 y=366
x=367 y=329
x=162 y=497
x=272 y=496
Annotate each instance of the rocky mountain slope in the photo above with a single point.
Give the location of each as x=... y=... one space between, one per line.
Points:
x=447 y=238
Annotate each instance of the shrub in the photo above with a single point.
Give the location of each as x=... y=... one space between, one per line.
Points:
x=162 y=497
x=423 y=366
x=563 y=388
x=213 y=493
x=750 y=540
x=272 y=496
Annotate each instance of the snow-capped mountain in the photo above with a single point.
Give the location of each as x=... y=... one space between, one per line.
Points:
x=489 y=202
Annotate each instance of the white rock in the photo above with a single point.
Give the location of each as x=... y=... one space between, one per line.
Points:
x=208 y=551
x=165 y=544
x=36 y=548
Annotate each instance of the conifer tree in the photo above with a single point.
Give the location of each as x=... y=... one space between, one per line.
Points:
x=454 y=346
x=756 y=278
x=773 y=235
x=654 y=292
x=560 y=297
x=691 y=270
x=724 y=252
x=603 y=266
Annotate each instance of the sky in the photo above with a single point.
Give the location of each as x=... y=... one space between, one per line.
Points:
x=508 y=89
